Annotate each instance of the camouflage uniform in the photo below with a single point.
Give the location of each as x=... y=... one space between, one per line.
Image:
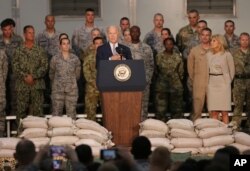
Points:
x=64 y=75
x=81 y=39
x=241 y=84
x=182 y=39
x=3 y=75
x=153 y=39
x=169 y=88
x=51 y=46
x=233 y=43
x=92 y=94
x=142 y=51
x=10 y=48
x=29 y=61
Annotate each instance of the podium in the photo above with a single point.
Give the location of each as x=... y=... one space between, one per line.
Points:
x=121 y=84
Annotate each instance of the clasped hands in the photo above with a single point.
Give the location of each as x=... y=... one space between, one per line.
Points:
x=29 y=80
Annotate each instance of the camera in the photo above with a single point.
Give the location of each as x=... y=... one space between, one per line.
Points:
x=108 y=154
x=57 y=154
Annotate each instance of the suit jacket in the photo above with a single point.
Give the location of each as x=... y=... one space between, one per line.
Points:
x=105 y=51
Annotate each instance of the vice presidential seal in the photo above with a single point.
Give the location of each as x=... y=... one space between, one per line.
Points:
x=122 y=72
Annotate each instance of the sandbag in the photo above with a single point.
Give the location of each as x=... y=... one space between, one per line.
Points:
x=7 y=153
x=60 y=121
x=90 y=142
x=34 y=122
x=212 y=132
x=202 y=123
x=181 y=124
x=154 y=124
x=240 y=147
x=242 y=138
x=186 y=142
x=63 y=140
x=157 y=142
x=218 y=140
x=62 y=131
x=34 y=133
x=90 y=134
x=91 y=125
x=9 y=143
x=152 y=134
x=182 y=133
x=42 y=141
x=210 y=150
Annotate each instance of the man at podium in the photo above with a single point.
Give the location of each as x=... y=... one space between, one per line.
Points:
x=112 y=50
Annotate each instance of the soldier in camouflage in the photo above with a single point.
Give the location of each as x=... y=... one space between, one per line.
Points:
x=9 y=41
x=89 y=68
x=231 y=38
x=169 y=90
x=64 y=72
x=182 y=38
x=30 y=65
x=81 y=37
x=3 y=76
x=49 y=41
x=142 y=51
x=195 y=39
x=241 y=84
x=154 y=36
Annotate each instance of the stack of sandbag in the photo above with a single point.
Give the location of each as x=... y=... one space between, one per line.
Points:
x=93 y=134
x=8 y=146
x=35 y=129
x=214 y=134
x=61 y=131
x=157 y=133
x=242 y=141
x=183 y=136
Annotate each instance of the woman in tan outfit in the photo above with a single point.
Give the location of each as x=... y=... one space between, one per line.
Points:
x=221 y=74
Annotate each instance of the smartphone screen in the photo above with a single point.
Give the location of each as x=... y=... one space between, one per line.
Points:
x=108 y=154
x=57 y=154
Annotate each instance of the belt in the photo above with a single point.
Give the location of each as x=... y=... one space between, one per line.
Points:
x=242 y=76
x=215 y=74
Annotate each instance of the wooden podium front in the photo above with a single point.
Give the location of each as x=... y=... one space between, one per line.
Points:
x=122 y=113
x=121 y=100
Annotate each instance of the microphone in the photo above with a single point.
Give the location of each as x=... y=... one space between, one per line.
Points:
x=119 y=50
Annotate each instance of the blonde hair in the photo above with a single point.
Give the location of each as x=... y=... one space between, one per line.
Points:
x=221 y=39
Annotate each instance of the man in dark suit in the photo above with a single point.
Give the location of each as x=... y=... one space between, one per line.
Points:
x=112 y=50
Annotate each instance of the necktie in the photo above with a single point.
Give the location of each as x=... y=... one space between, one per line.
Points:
x=114 y=50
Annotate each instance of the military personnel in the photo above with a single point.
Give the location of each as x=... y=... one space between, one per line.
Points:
x=126 y=38
x=169 y=90
x=124 y=25
x=195 y=39
x=3 y=76
x=9 y=41
x=241 y=84
x=165 y=33
x=186 y=32
x=48 y=39
x=95 y=32
x=154 y=36
x=81 y=37
x=182 y=38
x=198 y=72
x=64 y=72
x=89 y=68
x=30 y=65
x=142 y=51
x=231 y=38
